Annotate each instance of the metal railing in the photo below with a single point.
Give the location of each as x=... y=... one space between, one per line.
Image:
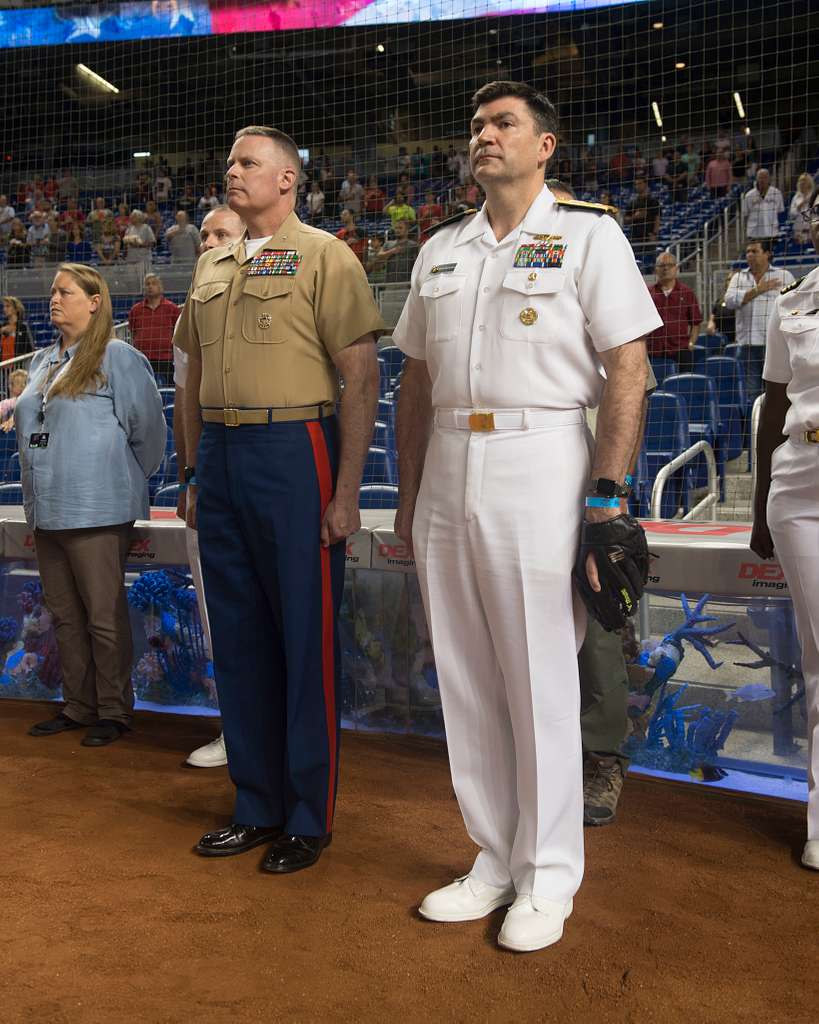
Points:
x=756 y=412
x=711 y=498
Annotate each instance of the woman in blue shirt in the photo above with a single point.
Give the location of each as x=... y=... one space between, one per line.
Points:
x=92 y=431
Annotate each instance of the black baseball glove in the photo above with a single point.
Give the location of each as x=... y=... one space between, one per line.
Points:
x=621 y=553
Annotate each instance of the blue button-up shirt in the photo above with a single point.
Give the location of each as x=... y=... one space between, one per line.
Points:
x=102 y=446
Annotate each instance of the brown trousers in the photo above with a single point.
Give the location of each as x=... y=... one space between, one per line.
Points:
x=82 y=572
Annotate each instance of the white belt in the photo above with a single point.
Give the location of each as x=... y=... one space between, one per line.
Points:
x=484 y=421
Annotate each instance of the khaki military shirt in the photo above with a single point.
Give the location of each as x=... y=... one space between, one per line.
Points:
x=267 y=327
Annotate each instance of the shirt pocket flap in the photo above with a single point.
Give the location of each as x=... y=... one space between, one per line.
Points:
x=435 y=287
x=209 y=290
x=798 y=326
x=535 y=282
x=268 y=287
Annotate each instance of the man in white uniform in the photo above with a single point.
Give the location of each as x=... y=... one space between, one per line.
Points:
x=511 y=315
x=786 y=502
x=752 y=293
x=221 y=227
x=761 y=208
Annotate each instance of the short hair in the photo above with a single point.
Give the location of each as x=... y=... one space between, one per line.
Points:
x=221 y=208
x=18 y=375
x=542 y=109
x=556 y=185
x=152 y=277
x=282 y=139
x=763 y=243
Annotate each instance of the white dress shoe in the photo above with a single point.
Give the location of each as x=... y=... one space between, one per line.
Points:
x=466 y=899
x=533 y=922
x=810 y=855
x=212 y=755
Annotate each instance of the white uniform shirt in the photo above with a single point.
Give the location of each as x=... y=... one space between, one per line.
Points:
x=752 y=318
x=500 y=336
x=792 y=356
x=762 y=212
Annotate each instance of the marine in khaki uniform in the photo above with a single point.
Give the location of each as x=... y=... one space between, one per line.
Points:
x=269 y=325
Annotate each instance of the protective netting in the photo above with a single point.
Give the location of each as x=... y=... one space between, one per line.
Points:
x=668 y=111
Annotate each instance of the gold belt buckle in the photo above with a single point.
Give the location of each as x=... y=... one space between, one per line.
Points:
x=231 y=417
x=812 y=436
x=481 y=422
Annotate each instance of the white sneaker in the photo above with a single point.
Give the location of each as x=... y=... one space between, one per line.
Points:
x=466 y=899
x=212 y=755
x=533 y=922
x=810 y=855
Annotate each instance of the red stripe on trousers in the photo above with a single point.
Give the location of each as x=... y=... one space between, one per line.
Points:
x=328 y=668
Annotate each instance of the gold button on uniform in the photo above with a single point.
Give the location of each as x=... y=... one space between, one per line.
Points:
x=533 y=276
x=264 y=321
x=528 y=316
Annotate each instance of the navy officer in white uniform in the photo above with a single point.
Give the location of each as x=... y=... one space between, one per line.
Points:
x=786 y=500
x=512 y=313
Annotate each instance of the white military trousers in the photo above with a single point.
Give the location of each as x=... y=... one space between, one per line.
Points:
x=793 y=519
x=192 y=545
x=495 y=533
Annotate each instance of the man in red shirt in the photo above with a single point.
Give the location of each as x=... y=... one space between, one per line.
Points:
x=152 y=322
x=430 y=213
x=349 y=234
x=678 y=307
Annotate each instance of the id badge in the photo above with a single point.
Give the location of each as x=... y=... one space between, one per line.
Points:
x=38 y=441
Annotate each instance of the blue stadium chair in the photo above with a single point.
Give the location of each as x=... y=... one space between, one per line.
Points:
x=12 y=473
x=714 y=343
x=663 y=368
x=640 y=501
x=378 y=496
x=666 y=437
x=8 y=447
x=700 y=395
x=169 y=468
x=382 y=435
x=700 y=354
x=11 y=494
x=728 y=377
x=166 y=497
x=392 y=359
x=386 y=411
x=379 y=467
x=168 y=395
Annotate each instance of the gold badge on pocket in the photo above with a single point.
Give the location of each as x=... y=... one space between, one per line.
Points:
x=264 y=321
x=528 y=316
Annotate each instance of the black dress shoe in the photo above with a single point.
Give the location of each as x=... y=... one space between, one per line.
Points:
x=104 y=732
x=224 y=842
x=60 y=723
x=292 y=853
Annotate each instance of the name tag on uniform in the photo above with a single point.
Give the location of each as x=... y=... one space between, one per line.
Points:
x=543 y=255
x=443 y=268
x=275 y=263
x=38 y=441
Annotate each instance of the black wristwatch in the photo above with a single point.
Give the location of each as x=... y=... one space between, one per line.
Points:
x=603 y=488
x=190 y=474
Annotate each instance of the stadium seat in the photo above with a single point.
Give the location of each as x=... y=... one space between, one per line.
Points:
x=11 y=494
x=382 y=435
x=666 y=437
x=379 y=467
x=12 y=473
x=714 y=343
x=663 y=367
x=378 y=496
x=168 y=395
x=700 y=395
x=393 y=360
x=166 y=497
x=727 y=375
x=8 y=447
x=700 y=354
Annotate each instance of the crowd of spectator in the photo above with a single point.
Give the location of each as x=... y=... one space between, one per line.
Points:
x=384 y=219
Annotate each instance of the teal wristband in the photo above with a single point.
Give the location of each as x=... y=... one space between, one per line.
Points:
x=602 y=502
x=629 y=480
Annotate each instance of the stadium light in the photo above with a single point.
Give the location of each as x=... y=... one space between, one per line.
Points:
x=379 y=48
x=680 y=65
x=658 y=25
x=663 y=138
x=747 y=129
x=141 y=153
x=96 y=79
x=740 y=108
x=656 y=111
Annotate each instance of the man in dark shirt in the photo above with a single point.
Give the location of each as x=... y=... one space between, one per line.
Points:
x=643 y=214
x=678 y=307
x=676 y=177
